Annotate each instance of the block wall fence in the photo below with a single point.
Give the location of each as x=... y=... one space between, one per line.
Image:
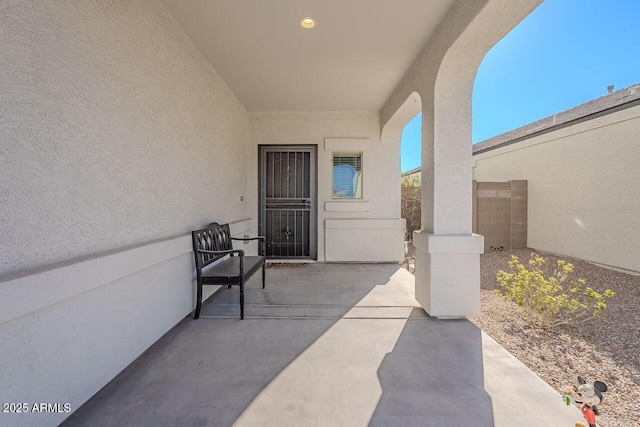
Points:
x=500 y=214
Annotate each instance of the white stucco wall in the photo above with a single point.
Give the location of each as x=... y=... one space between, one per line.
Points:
x=584 y=183
x=69 y=331
x=342 y=132
x=115 y=131
x=115 y=134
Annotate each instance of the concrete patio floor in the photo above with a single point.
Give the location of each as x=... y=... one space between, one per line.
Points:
x=325 y=345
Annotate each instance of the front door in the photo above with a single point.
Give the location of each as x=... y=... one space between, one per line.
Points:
x=288 y=201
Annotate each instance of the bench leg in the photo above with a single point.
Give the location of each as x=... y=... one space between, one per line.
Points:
x=263 y=266
x=198 y=300
x=241 y=298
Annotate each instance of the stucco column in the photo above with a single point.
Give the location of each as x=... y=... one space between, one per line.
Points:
x=447 y=253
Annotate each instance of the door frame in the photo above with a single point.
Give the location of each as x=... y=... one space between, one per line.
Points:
x=313 y=217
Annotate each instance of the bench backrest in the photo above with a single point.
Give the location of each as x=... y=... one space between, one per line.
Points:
x=215 y=237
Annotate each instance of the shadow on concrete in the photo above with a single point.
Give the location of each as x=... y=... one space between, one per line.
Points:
x=206 y=372
x=434 y=375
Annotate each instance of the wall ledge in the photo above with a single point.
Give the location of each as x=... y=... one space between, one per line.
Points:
x=361 y=223
x=78 y=278
x=347 y=144
x=450 y=244
x=347 y=206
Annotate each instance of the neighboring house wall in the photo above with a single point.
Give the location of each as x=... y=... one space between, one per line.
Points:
x=584 y=183
x=115 y=131
x=367 y=229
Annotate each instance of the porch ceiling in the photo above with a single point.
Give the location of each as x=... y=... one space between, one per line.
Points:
x=351 y=61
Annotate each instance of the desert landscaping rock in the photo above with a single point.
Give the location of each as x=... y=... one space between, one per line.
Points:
x=606 y=348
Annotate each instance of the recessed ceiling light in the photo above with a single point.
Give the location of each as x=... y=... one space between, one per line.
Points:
x=308 y=23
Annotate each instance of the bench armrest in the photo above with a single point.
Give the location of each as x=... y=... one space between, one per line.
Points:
x=250 y=238
x=262 y=239
x=238 y=251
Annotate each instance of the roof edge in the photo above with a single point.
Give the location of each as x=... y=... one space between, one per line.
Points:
x=617 y=101
x=412 y=171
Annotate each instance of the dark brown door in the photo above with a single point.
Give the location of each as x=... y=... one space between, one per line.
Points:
x=288 y=201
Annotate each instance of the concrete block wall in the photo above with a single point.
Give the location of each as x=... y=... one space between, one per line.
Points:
x=500 y=214
x=518 y=238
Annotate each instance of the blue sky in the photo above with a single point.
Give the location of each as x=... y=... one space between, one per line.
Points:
x=564 y=54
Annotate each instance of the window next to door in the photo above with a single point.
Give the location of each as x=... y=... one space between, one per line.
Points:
x=347 y=176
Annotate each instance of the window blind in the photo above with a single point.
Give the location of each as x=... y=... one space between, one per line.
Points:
x=347 y=175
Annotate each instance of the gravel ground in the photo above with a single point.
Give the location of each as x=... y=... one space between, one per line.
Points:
x=605 y=349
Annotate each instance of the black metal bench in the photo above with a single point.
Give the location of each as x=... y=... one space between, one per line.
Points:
x=213 y=243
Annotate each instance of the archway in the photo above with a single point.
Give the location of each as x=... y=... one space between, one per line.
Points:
x=447 y=253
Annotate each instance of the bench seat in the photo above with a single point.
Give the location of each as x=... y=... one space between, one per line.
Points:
x=230 y=268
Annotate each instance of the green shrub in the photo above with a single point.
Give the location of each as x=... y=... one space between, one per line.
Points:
x=556 y=300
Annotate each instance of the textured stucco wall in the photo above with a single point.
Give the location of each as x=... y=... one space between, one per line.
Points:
x=114 y=130
x=584 y=183
x=83 y=323
x=380 y=162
